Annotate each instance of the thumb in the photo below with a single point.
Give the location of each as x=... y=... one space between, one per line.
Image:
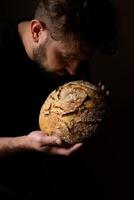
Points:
x=50 y=140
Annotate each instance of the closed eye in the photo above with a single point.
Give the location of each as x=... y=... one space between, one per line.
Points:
x=70 y=57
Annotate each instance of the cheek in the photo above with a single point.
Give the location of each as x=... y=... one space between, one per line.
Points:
x=55 y=62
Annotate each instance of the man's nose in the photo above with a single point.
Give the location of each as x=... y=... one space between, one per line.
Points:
x=72 y=68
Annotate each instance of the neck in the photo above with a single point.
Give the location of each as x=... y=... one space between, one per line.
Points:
x=24 y=32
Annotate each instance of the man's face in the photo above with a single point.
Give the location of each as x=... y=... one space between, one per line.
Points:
x=56 y=56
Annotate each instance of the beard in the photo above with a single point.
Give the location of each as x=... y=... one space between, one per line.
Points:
x=40 y=55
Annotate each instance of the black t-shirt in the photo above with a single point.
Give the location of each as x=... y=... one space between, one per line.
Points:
x=23 y=88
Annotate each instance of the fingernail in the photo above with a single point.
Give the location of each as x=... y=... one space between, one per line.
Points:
x=58 y=141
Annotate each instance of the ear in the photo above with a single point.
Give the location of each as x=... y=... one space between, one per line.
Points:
x=37 y=29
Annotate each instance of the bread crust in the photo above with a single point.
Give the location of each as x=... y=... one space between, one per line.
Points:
x=73 y=111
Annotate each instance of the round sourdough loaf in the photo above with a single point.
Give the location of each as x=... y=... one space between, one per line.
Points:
x=73 y=111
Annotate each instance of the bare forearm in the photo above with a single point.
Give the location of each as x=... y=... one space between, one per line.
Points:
x=35 y=141
x=9 y=145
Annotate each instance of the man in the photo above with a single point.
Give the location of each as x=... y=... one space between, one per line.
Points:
x=35 y=57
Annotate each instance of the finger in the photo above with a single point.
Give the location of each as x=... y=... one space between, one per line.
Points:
x=50 y=140
x=45 y=149
x=75 y=147
x=64 y=151
x=57 y=151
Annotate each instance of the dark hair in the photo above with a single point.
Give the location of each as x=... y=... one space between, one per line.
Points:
x=89 y=21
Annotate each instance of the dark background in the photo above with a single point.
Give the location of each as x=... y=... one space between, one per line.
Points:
x=107 y=157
